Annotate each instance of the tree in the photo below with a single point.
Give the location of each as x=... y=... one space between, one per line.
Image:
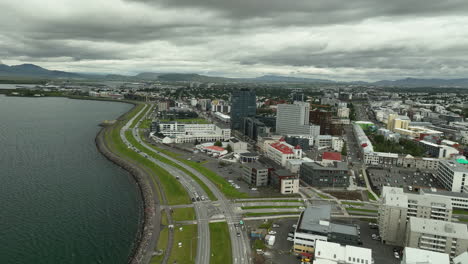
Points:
x=344 y=150
x=229 y=148
x=218 y=143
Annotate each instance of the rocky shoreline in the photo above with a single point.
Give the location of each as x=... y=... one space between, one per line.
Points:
x=149 y=230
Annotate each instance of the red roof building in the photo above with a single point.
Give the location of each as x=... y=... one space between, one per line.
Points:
x=331 y=156
x=282 y=147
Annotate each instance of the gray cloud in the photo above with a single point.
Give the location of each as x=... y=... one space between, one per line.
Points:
x=337 y=39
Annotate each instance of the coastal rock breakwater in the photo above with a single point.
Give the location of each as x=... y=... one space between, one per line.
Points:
x=149 y=231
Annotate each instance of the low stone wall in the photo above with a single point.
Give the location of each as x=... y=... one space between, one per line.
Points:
x=149 y=230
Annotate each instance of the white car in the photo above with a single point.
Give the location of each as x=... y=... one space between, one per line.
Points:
x=290 y=239
x=272 y=232
x=397 y=256
x=253 y=189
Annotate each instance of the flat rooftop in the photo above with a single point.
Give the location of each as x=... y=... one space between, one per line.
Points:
x=438 y=227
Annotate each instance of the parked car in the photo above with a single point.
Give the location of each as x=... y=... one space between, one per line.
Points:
x=290 y=239
x=276 y=225
x=272 y=232
x=238 y=234
x=397 y=256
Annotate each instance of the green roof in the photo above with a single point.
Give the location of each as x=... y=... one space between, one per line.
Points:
x=462 y=161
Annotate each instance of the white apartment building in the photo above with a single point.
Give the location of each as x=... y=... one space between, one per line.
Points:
x=327 y=141
x=289 y=186
x=183 y=133
x=421 y=256
x=461 y=259
x=397 y=207
x=292 y=118
x=438 y=236
x=281 y=152
x=334 y=253
x=343 y=112
x=452 y=175
x=459 y=200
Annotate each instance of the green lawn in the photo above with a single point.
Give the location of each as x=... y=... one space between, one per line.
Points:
x=146 y=123
x=352 y=203
x=272 y=213
x=220 y=246
x=371 y=196
x=463 y=220
x=460 y=211
x=164 y=220
x=188 y=252
x=269 y=206
x=183 y=214
x=361 y=210
x=188 y=121
x=271 y=201
x=162 y=244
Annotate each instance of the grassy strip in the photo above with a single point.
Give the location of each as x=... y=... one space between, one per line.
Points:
x=463 y=220
x=188 y=252
x=368 y=220
x=162 y=245
x=362 y=210
x=210 y=194
x=135 y=121
x=371 y=196
x=272 y=213
x=351 y=203
x=145 y=123
x=323 y=196
x=270 y=201
x=220 y=246
x=269 y=206
x=460 y=211
x=164 y=220
x=361 y=214
x=183 y=214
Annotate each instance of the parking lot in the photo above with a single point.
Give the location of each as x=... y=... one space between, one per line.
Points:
x=409 y=179
x=281 y=252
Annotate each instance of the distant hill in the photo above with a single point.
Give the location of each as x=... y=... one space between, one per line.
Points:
x=276 y=78
x=415 y=82
x=31 y=70
x=34 y=71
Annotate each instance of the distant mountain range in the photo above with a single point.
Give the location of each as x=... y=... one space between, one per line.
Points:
x=34 y=71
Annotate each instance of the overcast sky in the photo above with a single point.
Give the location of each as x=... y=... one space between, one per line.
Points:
x=334 y=39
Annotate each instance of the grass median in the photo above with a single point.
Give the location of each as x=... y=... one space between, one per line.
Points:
x=272 y=214
x=361 y=210
x=271 y=201
x=351 y=203
x=186 y=253
x=269 y=206
x=220 y=246
x=460 y=211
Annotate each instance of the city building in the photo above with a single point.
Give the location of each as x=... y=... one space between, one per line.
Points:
x=334 y=253
x=396 y=207
x=452 y=175
x=255 y=174
x=297 y=140
x=285 y=181
x=459 y=200
x=325 y=174
x=293 y=119
x=437 y=235
x=243 y=104
x=237 y=146
x=175 y=132
x=323 y=119
x=331 y=156
x=280 y=152
x=421 y=256
x=315 y=224
x=343 y=112
x=253 y=127
x=461 y=259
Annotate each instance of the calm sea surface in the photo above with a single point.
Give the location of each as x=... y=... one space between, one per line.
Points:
x=61 y=201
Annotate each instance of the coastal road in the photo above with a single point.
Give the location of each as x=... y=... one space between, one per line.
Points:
x=193 y=189
x=240 y=245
